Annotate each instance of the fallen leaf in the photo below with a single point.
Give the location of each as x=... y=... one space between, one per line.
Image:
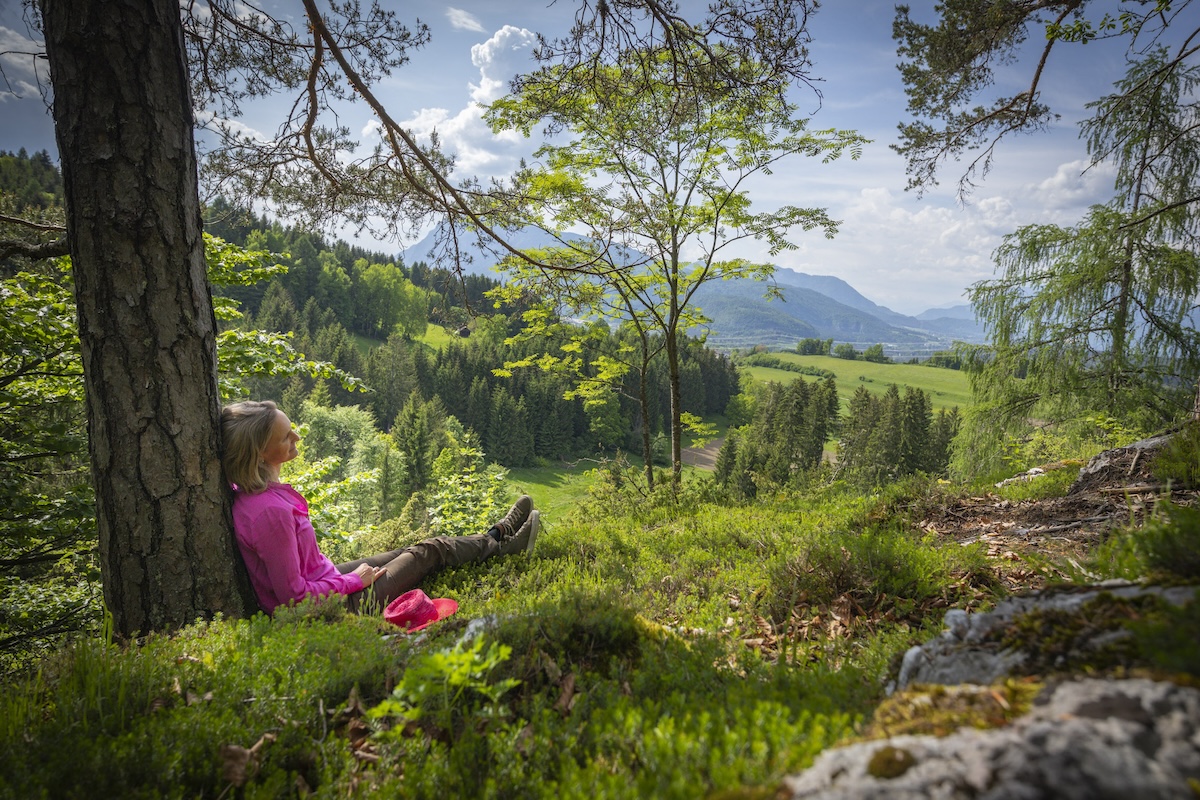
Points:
x=239 y=763
x=567 y=696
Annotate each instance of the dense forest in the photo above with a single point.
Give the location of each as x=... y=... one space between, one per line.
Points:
x=31 y=182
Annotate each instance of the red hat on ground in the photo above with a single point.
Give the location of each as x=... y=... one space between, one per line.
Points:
x=414 y=610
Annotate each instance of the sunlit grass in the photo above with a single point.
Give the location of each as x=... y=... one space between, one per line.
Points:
x=555 y=489
x=437 y=337
x=946 y=388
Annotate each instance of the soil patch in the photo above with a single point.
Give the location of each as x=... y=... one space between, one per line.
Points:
x=1115 y=489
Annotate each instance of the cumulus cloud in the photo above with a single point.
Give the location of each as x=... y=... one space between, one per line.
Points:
x=501 y=57
x=907 y=255
x=477 y=150
x=463 y=20
x=1075 y=187
x=22 y=72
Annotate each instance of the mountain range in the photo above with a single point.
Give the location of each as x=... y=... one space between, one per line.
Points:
x=812 y=306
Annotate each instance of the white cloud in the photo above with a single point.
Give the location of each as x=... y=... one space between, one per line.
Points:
x=463 y=20
x=906 y=254
x=501 y=57
x=477 y=150
x=1074 y=187
x=23 y=72
x=208 y=120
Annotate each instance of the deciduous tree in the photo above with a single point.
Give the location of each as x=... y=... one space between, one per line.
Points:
x=649 y=175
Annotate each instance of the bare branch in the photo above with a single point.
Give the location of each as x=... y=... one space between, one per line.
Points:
x=33 y=250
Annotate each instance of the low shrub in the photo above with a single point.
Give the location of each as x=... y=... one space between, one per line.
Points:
x=1165 y=548
x=1178 y=463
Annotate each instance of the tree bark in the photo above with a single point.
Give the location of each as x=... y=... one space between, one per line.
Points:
x=123 y=121
x=676 y=400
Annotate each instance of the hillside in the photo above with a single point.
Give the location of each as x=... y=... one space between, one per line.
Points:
x=1058 y=690
x=680 y=651
x=813 y=306
x=742 y=317
x=947 y=388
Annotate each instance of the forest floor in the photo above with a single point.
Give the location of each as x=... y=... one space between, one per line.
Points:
x=1055 y=530
x=1029 y=543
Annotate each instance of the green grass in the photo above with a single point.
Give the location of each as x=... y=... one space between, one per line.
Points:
x=946 y=387
x=1053 y=483
x=556 y=490
x=365 y=344
x=646 y=649
x=649 y=618
x=437 y=337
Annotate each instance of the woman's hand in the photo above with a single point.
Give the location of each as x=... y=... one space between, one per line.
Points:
x=369 y=574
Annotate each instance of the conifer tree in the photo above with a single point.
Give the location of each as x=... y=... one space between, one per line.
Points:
x=414 y=438
x=916 y=417
x=479 y=408
x=861 y=417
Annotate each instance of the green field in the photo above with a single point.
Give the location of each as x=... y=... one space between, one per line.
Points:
x=947 y=388
x=555 y=490
x=437 y=337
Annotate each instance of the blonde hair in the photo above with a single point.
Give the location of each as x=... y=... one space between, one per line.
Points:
x=246 y=430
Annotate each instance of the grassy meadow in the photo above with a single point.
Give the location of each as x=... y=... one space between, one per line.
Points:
x=654 y=645
x=645 y=649
x=947 y=388
x=437 y=337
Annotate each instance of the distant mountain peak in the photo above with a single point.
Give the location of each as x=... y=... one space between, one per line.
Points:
x=814 y=306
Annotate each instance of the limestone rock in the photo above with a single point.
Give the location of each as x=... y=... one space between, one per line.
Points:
x=1089 y=739
x=966 y=653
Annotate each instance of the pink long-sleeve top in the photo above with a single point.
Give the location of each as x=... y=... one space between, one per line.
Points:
x=279 y=546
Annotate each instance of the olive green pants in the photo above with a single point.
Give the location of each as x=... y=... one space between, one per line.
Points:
x=407 y=567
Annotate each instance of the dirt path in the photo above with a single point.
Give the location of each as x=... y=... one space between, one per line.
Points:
x=703 y=457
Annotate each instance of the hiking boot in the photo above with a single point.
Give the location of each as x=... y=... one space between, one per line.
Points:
x=506 y=528
x=522 y=541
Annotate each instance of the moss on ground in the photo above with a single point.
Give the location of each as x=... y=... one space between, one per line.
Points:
x=941 y=710
x=1107 y=635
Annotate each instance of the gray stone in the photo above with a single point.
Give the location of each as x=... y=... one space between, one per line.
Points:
x=1088 y=739
x=964 y=653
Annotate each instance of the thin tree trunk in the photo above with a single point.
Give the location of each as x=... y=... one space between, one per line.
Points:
x=123 y=122
x=676 y=410
x=644 y=403
x=1119 y=356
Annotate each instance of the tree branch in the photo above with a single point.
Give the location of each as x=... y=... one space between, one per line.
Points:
x=33 y=250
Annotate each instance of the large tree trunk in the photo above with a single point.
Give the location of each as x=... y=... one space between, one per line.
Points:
x=124 y=127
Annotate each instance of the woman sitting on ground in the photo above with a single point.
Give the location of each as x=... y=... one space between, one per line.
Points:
x=278 y=542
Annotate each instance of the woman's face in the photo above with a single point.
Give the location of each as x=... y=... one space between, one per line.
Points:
x=281 y=447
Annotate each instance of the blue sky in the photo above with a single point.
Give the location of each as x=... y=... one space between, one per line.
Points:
x=904 y=252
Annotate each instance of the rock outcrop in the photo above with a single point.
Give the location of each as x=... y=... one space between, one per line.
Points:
x=1082 y=738
x=972 y=649
x=1087 y=739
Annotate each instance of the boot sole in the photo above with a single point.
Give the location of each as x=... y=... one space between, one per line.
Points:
x=535 y=522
